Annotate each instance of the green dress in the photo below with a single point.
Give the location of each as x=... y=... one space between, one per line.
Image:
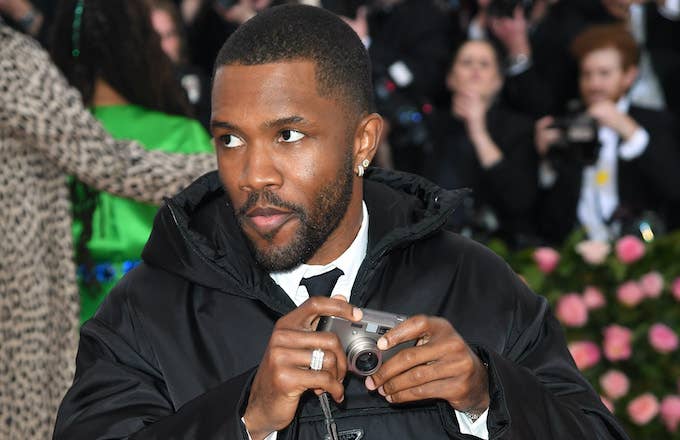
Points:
x=120 y=226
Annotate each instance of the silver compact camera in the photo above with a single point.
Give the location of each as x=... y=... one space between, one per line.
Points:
x=360 y=339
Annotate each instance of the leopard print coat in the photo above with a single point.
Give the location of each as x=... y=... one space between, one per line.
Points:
x=45 y=135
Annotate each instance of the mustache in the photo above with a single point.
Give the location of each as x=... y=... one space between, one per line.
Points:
x=268 y=198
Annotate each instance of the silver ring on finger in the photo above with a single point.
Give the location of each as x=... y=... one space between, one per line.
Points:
x=317 y=360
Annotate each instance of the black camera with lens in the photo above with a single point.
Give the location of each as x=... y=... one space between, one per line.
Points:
x=506 y=8
x=579 y=139
x=360 y=339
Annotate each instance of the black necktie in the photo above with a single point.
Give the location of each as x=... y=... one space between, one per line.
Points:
x=322 y=285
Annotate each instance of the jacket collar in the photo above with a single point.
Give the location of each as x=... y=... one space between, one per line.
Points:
x=196 y=235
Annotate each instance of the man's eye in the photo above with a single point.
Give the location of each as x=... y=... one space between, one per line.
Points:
x=230 y=141
x=290 y=136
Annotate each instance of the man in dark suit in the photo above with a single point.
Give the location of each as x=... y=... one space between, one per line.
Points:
x=213 y=335
x=541 y=74
x=635 y=170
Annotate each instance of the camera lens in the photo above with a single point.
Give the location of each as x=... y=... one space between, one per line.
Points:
x=363 y=356
x=367 y=361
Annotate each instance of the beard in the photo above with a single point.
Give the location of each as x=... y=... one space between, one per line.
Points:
x=316 y=223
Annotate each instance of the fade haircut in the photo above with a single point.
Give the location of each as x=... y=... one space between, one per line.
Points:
x=299 y=32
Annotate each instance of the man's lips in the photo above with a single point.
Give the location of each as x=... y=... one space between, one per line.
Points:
x=267 y=219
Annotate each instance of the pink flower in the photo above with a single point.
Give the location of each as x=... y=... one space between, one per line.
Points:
x=593 y=252
x=629 y=249
x=615 y=384
x=662 y=338
x=608 y=403
x=670 y=412
x=585 y=354
x=652 y=284
x=630 y=294
x=571 y=310
x=676 y=289
x=593 y=298
x=546 y=258
x=617 y=343
x=643 y=409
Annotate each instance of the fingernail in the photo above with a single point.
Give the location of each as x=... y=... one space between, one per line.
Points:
x=388 y=398
x=369 y=383
x=357 y=313
x=381 y=390
x=382 y=343
x=339 y=297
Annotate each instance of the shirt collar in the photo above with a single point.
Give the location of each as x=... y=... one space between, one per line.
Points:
x=349 y=262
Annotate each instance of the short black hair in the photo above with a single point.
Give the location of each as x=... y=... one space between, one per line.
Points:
x=300 y=32
x=118 y=44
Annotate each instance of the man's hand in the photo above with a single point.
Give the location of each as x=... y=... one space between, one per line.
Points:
x=606 y=114
x=471 y=108
x=544 y=136
x=239 y=13
x=360 y=23
x=512 y=32
x=440 y=366
x=284 y=374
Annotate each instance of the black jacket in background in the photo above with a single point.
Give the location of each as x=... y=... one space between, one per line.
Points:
x=649 y=182
x=509 y=187
x=552 y=81
x=418 y=33
x=172 y=351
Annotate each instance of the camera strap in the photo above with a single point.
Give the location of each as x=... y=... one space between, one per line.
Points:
x=328 y=416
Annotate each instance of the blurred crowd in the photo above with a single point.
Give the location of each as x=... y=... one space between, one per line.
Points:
x=558 y=114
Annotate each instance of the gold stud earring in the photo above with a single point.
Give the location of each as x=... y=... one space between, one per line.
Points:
x=365 y=163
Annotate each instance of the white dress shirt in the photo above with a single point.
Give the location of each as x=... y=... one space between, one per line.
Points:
x=646 y=91
x=599 y=189
x=349 y=262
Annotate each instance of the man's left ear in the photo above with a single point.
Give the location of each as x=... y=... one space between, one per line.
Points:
x=367 y=137
x=630 y=75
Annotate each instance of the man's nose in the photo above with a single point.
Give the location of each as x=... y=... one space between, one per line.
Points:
x=260 y=170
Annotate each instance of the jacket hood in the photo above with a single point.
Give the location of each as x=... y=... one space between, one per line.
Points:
x=197 y=237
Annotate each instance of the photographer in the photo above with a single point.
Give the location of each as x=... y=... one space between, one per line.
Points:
x=548 y=78
x=482 y=145
x=410 y=43
x=510 y=25
x=633 y=167
x=214 y=335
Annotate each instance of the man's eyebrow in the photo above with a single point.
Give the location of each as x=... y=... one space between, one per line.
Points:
x=273 y=123
x=221 y=124
x=295 y=119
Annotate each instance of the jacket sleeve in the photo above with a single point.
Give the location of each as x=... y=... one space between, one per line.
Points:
x=43 y=110
x=513 y=179
x=660 y=160
x=535 y=388
x=544 y=394
x=119 y=391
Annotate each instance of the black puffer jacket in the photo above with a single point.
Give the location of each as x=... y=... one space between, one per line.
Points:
x=172 y=351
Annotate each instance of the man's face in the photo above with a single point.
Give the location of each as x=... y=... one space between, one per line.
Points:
x=603 y=78
x=285 y=157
